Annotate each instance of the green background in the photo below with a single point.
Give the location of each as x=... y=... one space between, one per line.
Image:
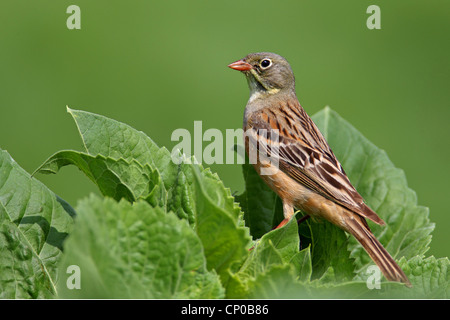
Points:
x=161 y=65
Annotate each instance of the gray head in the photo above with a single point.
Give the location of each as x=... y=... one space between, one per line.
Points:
x=266 y=72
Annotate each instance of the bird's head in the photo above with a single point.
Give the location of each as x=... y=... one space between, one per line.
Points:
x=266 y=72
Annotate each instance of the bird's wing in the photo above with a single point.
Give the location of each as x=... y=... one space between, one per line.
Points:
x=303 y=153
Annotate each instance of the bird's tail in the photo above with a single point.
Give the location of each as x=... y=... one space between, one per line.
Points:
x=358 y=227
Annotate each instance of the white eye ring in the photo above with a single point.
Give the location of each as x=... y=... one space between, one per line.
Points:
x=265 y=63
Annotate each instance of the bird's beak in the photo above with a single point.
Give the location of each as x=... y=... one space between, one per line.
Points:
x=240 y=65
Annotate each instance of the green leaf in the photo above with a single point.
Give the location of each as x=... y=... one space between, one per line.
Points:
x=125 y=142
x=279 y=282
x=116 y=140
x=330 y=249
x=129 y=167
x=303 y=264
x=34 y=222
x=262 y=208
x=134 y=250
x=217 y=225
x=113 y=139
x=115 y=178
x=278 y=248
x=429 y=277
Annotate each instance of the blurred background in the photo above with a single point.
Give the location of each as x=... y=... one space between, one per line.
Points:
x=161 y=65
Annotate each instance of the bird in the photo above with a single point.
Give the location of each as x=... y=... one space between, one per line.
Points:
x=294 y=159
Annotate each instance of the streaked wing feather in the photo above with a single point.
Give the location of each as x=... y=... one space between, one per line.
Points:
x=304 y=155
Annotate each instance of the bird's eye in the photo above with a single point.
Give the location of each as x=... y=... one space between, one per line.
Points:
x=265 y=63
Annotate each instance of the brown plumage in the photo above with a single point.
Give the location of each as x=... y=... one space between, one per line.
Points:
x=295 y=160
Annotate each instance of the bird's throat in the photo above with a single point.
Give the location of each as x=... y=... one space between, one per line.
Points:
x=261 y=94
x=257 y=89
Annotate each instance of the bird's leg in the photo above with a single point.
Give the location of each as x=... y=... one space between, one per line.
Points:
x=284 y=222
x=303 y=219
x=288 y=212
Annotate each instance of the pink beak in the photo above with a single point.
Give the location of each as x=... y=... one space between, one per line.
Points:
x=240 y=65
